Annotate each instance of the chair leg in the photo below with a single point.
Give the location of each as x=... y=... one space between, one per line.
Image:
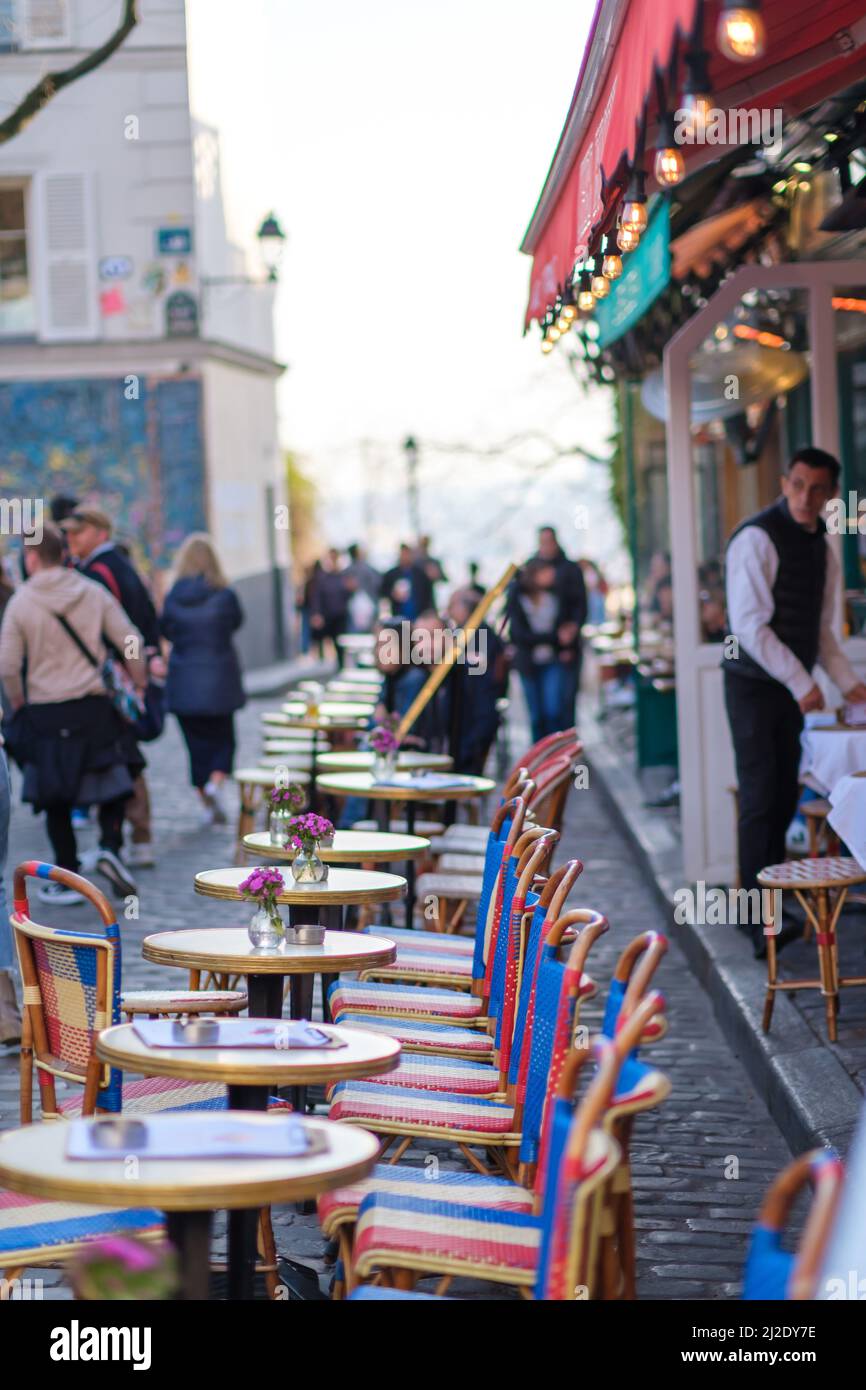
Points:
x=825 y=936
x=772 y=976
x=7 y=1279
x=268 y=1251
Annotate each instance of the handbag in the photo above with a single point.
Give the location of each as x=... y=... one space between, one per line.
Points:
x=118 y=683
x=18 y=736
x=151 y=722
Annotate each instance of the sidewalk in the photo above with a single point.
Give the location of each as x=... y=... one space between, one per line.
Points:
x=813 y=1088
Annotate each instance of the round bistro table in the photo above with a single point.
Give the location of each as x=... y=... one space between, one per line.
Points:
x=329 y=719
x=363 y=784
x=349 y=847
x=350 y=761
x=188 y=1190
x=252 y=781
x=227 y=950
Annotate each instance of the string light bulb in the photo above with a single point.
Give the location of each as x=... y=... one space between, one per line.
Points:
x=599 y=285
x=627 y=238
x=585 y=298
x=546 y=346
x=697 y=101
x=741 y=34
x=611 y=264
x=669 y=166
x=634 y=214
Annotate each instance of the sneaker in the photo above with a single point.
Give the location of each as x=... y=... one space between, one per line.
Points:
x=140 y=856
x=88 y=861
x=59 y=895
x=80 y=817
x=206 y=817
x=213 y=795
x=112 y=867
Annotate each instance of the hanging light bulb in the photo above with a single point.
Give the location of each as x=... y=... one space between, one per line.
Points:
x=634 y=209
x=585 y=298
x=563 y=324
x=546 y=346
x=599 y=285
x=669 y=166
x=553 y=333
x=569 y=312
x=697 y=102
x=627 y=238
x=611 y=265
x=741 y=34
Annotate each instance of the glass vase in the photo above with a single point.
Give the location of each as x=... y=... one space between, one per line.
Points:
x=308 y=868
x=266 y=930
x=384 y=764
x=279 y=826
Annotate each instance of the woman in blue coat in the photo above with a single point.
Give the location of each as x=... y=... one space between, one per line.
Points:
x=204 y=686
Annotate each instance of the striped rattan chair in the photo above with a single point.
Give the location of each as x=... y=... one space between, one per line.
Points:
x=548 y=1254
x=773 y=1273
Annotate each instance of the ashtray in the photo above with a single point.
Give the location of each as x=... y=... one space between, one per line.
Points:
x=310 y=934
x=121 y=1134
x=196 y=1030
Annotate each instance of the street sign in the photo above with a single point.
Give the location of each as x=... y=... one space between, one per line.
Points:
x=115 y=267
x=174 y=241
x=181 y=315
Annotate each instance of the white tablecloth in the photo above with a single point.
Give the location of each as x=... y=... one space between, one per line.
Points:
x=848 y=816
x=829 y=755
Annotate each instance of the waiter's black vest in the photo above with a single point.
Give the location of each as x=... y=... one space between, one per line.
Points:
x=798 y=592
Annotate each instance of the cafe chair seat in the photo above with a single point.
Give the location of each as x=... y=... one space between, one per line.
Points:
x=149 y=1095
x=427 y=941
x=405 y=1001
x=444 y=1074
x=429 y=1039
x=457 y=1187
x=35 y=1232
x=383 y=1107
x=457 y=862
x=373 y=1293
x=428 y=829
x=192 y=1001
x=418 y=966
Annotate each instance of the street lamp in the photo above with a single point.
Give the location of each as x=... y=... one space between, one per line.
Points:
x=272 y=240
x=410 y=449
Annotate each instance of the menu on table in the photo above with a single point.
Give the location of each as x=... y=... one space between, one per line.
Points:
x=182 y=1135
x=281 y=1035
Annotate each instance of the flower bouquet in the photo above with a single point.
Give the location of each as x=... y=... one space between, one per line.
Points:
x=124 y=1268
x=385 y=746
x=306 y=834
x=263 y=886
x=285 y=802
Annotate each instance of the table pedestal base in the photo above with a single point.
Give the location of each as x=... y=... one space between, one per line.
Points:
x=189 y=1233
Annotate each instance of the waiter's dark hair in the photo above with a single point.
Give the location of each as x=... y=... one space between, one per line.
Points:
x=816 y=458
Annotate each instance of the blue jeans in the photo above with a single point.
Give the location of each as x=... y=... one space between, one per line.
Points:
x=543 y=690
x=7 y=949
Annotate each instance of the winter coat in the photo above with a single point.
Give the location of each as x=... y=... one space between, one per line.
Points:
x=204 y=673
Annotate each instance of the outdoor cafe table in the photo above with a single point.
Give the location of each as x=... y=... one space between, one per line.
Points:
x=323 y=722
x=847 y=814
x=349 y=761
x=349 y=847
x=363 y=784
x=829 y=754
x=227 y=950
x=189 y=1190
x=252 y=780
x=330 y=710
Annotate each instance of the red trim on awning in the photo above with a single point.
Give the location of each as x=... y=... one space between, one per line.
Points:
x=811 y=52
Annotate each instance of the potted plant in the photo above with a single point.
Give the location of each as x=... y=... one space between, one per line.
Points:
x=285 y=802
x=307 y=833
x=385 y=746
x=262 y=886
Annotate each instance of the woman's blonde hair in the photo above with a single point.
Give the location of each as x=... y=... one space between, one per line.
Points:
x=197 y=556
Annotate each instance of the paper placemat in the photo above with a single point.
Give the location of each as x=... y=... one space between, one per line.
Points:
x=282 y=1035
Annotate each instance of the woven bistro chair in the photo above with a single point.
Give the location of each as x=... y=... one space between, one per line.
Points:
x=773 y=1273
x=823 y=839
x=548 y=1254
x=538 y=1032
x=820 y=886
x=252 y=783
x=545 y=792
x=71 y=992
x=469 y=1121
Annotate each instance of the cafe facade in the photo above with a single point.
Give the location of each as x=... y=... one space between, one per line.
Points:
x=700 y=245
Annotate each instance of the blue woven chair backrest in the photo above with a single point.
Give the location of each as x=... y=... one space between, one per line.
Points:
x=492 y=862
x=497 y=973
x=562 y=1114
x=507 y=1038
x=548 y=990
x=531 y=960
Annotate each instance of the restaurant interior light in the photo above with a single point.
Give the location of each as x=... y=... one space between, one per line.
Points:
x=741 y=34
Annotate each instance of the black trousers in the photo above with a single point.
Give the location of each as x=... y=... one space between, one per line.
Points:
x=58 y=822
x=766 y=723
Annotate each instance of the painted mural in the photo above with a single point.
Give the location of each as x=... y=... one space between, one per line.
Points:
x=132 y=445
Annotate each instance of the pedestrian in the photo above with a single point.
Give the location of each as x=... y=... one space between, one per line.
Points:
x=303 y=604
x=10 y=1014
x=532 y=610
x=596 y=591
x=329 y=604
x=475 y=686
x=68 y=735
x=570 y=591
x=204 y=687
x=408 y=587
x=782 y=583
x=364 y=584
x=89 y=535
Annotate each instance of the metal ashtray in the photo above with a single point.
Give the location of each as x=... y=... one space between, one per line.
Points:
x=310 y=934
x=119 y=1134
x=196 y=1030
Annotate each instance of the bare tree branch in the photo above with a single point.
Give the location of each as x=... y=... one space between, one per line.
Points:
x=54 y=82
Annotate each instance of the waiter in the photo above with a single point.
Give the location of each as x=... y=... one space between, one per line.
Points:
x=782 y=582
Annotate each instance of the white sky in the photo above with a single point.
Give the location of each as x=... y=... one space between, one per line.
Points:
x=403 y=144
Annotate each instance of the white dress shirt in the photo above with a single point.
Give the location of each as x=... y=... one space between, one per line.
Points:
x=751 y=566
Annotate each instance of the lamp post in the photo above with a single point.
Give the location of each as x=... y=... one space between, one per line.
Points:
x=272 y=241
x=410 y=449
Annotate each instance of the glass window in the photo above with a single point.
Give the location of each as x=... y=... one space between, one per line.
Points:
x=9 y=40
x=17 y=310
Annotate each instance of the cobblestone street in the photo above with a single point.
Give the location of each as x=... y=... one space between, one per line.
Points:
x=701 y=1164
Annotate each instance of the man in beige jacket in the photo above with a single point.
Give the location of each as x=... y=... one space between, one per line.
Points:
x=70 y=744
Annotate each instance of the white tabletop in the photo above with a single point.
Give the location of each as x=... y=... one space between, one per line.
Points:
x=848 y=814
x=829 y=755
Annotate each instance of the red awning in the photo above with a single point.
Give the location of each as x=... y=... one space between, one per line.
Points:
x=811 y=51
